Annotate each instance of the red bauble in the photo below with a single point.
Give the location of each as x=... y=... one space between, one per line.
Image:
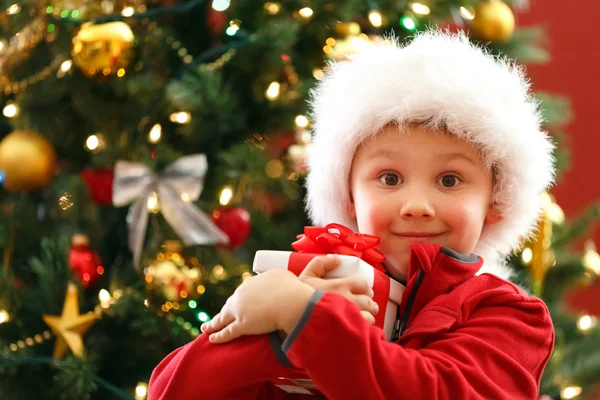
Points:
x=99 y=183
x=216 y=21
x=235 y=222
x=85 y=263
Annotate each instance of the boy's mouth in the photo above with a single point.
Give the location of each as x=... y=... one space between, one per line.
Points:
x=418 y=235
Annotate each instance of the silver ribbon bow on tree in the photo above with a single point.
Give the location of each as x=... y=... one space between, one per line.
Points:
x=177 y=186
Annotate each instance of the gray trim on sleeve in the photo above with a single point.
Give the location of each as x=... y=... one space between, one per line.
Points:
x=276 y=344
x=467 y=259
x=289 y=341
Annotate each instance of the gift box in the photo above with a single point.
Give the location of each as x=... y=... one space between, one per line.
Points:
x=358 y=255
x=388 y=292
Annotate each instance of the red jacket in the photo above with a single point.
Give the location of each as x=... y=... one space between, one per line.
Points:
x=462 y=336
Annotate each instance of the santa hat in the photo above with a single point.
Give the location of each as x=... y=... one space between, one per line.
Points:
x=443 y=80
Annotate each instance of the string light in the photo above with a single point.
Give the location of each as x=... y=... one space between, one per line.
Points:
x=155 y=134
x=306 y=12
x=4 y=316
x=218 y=271
x=181 y=117
x=220 y=5
x=375 y=19
x=246 y=275
x=408 y=23
x=234 y=26
x=10 y=110
x=94 y=143
x=591 y=259
x=66 y=66
x=585 y=323
x=141 y=391
x=526 y=255
x=14 y=9
x=105 y=298
x=571 y=392
x=203 y=317
x=226 y=196
x=301 y=121
x=28 y=342
x=192 y=304
x=272 y=91
x=421 y=9
x=127 y=11
x=272 y=8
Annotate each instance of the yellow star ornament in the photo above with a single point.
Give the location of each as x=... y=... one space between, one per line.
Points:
x=70 y=326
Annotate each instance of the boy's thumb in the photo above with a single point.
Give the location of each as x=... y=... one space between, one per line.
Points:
x=319 y=266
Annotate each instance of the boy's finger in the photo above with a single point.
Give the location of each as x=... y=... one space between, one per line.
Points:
x=368 y=316
x=320 y=265
x=365 y=303
x=219 y=321
x=358 y=285
x=231 y=331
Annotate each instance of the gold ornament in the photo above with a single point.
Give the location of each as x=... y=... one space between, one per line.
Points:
x=172 y=275
x=103 y=49
x=27 y=160
x=344 y=29
x=538 y=252
x=494 y=21
x=70 y=326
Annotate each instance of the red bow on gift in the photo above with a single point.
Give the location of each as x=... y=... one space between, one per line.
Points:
x=338 y=239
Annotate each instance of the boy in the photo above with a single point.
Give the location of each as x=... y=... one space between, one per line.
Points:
x=436 y=148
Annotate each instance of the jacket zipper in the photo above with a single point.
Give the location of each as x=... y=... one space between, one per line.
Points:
x=400 y=324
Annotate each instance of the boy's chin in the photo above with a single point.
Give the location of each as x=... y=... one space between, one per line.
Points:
x=397 y=267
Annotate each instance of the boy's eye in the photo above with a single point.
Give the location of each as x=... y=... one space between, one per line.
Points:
x=449 y=181
x=390 y=179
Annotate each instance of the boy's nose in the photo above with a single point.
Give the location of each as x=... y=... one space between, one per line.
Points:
x=417 y=208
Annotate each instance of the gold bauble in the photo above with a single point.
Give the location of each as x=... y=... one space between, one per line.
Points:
x=27 y=160
x=344 y=29
x=103 y=49
x=494 y=21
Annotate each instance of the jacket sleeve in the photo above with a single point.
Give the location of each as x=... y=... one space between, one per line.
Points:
x=235 y=370
x=498 y=353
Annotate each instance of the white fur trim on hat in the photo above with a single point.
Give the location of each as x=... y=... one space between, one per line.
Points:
x=442 y=79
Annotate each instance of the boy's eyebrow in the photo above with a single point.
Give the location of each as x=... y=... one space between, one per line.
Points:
x=387 y=153
x=451 y=156
x=445 y=157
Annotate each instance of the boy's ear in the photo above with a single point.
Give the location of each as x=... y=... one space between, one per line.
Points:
x=493 y=215
x=350 y=209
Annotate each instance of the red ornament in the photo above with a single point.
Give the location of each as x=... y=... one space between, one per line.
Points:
x=216 y=20
x=85 y=263
x=99 y=183
x=235 y=222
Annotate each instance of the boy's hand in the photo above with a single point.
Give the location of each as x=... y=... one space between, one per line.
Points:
x=354 y=288
x=271 y=301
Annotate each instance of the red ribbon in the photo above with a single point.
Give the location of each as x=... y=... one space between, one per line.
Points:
x=338 y=239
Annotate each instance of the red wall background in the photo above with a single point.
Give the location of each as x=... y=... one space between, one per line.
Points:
x=574 y=71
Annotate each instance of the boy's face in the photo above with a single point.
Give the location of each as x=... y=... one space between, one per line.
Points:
x=420 y=186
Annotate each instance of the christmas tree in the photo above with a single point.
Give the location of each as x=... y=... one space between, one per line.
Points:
x=149 y=148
